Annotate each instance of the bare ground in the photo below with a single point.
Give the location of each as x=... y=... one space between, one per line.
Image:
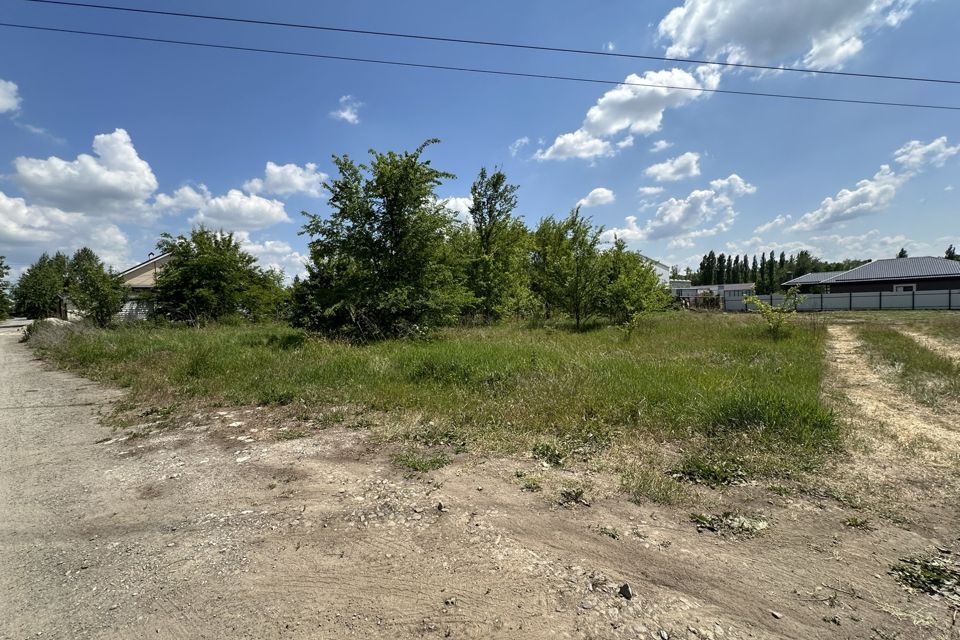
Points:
x=219 y=530
x=937 y=345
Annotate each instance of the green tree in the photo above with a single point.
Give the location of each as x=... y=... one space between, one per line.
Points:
x=772 y=284
x=40 y=290
x=496 y=245
x=6 y=304
x=902 y=253
x=548 y=263
x=381 y=264
x=97 y=292
x=951 y=253
x=209 y=276
x=632 y=285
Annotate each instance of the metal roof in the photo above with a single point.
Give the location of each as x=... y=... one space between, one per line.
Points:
x=814 y=278
x=901 y=269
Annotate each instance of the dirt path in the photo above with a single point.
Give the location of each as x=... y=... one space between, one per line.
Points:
x=935 y=344
x=218 y=530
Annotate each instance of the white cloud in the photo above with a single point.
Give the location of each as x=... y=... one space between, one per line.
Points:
x=460 y=205
x=116 y=182
x=274 y=254
x=517 y=145
x=610 y=46
x=948 y=188
x=598 y=197
x=660 y=145
x=237 y=210
x=636 y=107
x=186 y=197
x=287 y=179
x=348 y=111
x=779 y=221
x=703 y=213
x=873 y=245
x=578 y=144
x=28 y=230
x=875 y=194
x=822 y=33
x=626 y=143
x=9 y=97
x=650 y=191
x=683 y=166
x=916 y=156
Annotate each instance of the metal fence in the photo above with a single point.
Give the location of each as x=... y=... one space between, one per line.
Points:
x=870 y=301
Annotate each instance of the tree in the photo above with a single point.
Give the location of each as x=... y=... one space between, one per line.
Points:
x=6 y=305
x=902 y=253
x=721 y=269
x=209 y=276
x=381 y=264
x=753 y=270
x=97 y=292
x=772 y=283
x=496 y=244
x=40 y=290
x=631 y=286
x=584 y=283
x=951 y=253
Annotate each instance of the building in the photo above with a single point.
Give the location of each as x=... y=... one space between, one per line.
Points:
x=727 y=296
x=662 y=270
x=140 y=281
x=896 y=275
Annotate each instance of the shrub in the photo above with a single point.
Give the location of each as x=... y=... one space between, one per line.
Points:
x=776 y=315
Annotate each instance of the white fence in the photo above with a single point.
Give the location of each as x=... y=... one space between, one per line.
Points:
x=872 y=301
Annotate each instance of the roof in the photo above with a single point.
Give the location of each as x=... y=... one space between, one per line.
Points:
x=814 y=278
x=147 y=263
x=901 y=269
x=144 y=275
x=655 y=262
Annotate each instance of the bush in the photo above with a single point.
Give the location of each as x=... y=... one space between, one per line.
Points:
x=776 y=315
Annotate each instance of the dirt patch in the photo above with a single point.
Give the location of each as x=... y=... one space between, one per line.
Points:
x=242 y=535
x=937 y=345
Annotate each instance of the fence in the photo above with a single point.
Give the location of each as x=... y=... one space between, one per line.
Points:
x=869 y=301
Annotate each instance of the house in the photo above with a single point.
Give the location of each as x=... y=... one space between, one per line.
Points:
x=806 y=283
x=728 y=296
x=896 y=275
x=140 y=281
x=662 y=270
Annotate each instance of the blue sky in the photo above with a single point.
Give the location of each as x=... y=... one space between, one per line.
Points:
x=109 y=143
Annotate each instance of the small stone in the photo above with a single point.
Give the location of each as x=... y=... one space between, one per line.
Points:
x=664 y=635
x=626 y=591
x=776 y=614
x=442 y=508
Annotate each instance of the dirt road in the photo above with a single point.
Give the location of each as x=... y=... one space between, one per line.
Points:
x=219 y=530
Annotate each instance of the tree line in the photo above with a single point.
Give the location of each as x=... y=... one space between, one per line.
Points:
x=771 y=271
x=390 y=260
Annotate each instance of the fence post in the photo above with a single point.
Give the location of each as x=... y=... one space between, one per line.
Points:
x=851 y=302
x=913 y=299
x=949 y=299
x=881 y=300
x=821 y=301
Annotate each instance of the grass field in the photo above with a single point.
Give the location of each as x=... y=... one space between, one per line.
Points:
x=709 y=397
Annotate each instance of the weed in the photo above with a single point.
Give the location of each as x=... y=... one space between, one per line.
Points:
x=711 y=470
x=858 y=523
x=421 y=462
x=931 y=573
x=572 y=495
x=549 y=453
x=730 y=523
x=643 y=483
x=610 y=532
x=529 y=483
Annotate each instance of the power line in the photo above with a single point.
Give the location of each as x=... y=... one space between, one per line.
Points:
x=491 y=43
x=494 y=72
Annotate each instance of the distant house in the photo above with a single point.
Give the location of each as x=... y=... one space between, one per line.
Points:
x=728 y=295
x=898 y=275
x=140 y=281
x=662 y=270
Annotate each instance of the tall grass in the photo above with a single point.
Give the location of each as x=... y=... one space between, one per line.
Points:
x=706 y=382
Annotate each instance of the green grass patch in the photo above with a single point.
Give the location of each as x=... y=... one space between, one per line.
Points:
x=421 y=462
x=924 y=374
x=645 y=484
x=707 y=382
x=931 y=573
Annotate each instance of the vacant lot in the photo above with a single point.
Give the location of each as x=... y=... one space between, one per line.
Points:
x=743 y=487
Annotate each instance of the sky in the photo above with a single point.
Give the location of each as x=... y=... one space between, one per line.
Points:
x=108 y=143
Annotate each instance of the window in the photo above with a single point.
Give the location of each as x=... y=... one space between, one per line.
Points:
x=904 y=288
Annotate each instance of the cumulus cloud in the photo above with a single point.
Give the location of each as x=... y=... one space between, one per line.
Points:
x=703 y=213
x=237 y=210
x=660 y=145
x=9 y=96
x=517 y=145
x=349 y=110
x=635 y=107
x=683 y=166
x=823 y=34
x=274 y=254
x=288 y=179
x=598 y=197
x=874 y=194
x=779 y=221
x=116 y=181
